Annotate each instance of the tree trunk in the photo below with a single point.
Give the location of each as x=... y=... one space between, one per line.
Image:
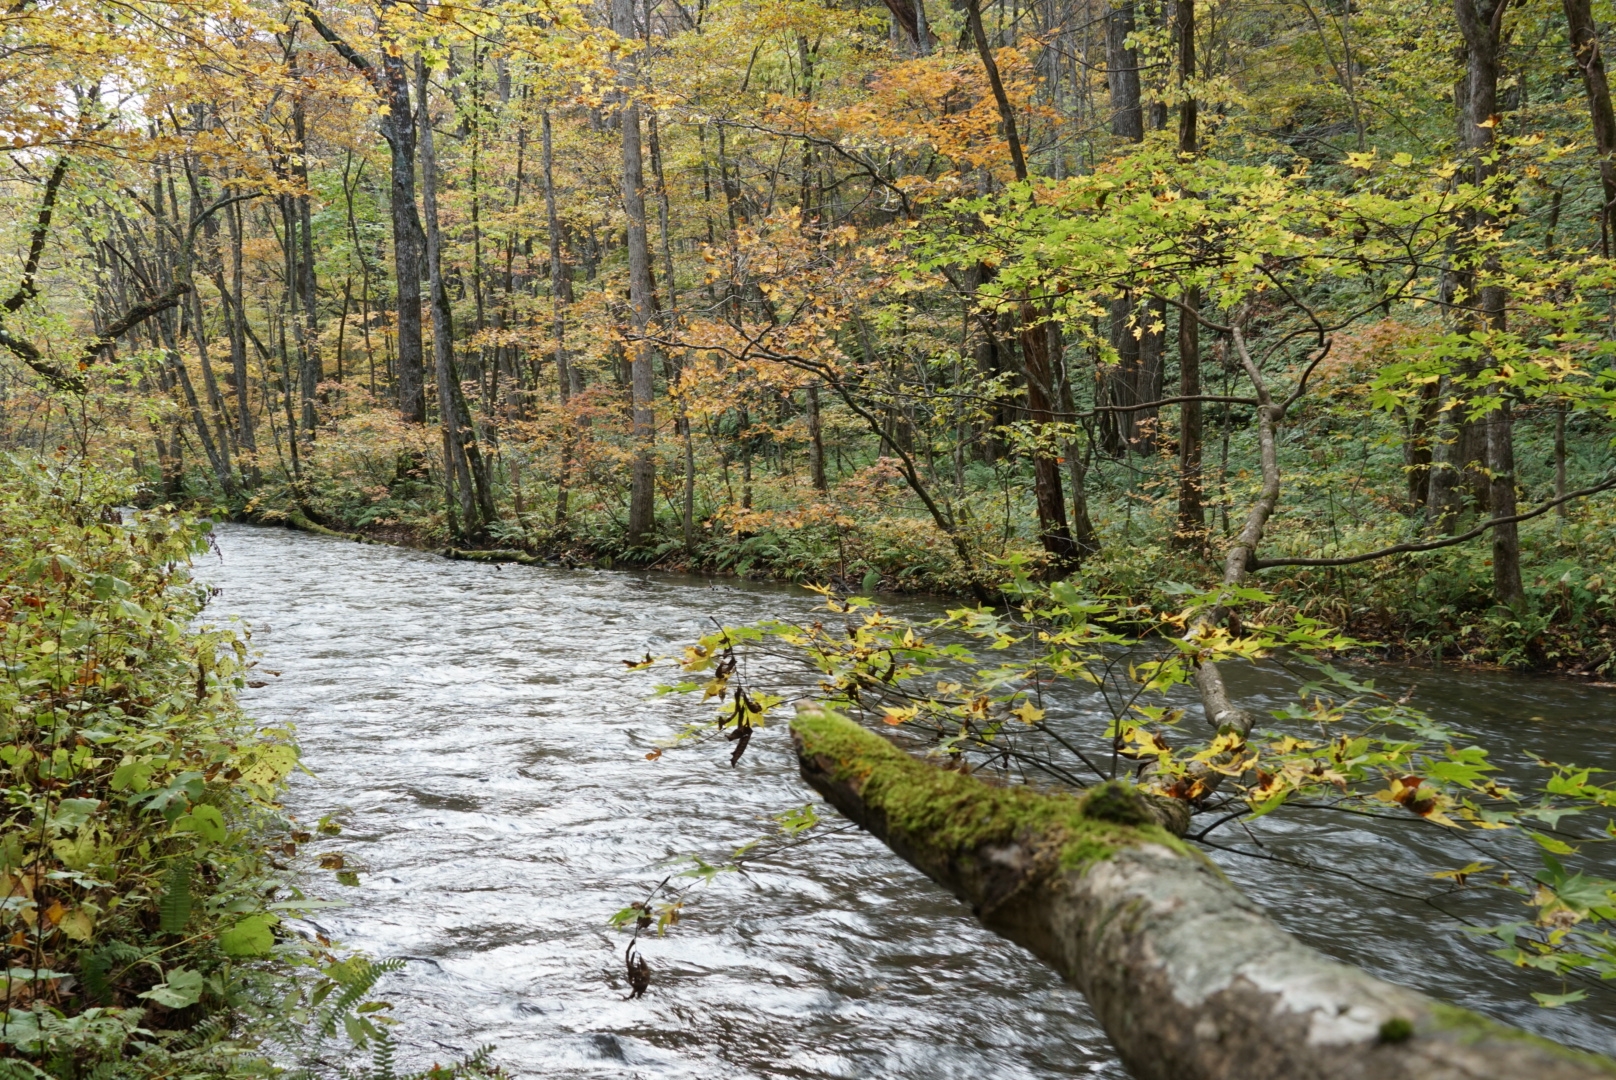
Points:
x=642 y=485
x=1122 y=74
x=1560 y=511
x=1120 y=430
x=409 y=241
x=1191 y=529
x=238 y=344
x=816 y=442
x=1187 y=976
x=462 y=454
x=1481 y=23
x=392 y=86
x=560 y=298
x=1036 y=356
x=1422 y=421
x=1584 y=34
x=309 y=368
x=1035 y=337
x=1151 y=375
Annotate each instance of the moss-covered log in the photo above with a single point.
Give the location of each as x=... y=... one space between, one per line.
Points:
x=495 y=555
x=1189 y=978
x=302 y=523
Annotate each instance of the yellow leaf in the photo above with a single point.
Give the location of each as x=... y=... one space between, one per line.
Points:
x=77 y=924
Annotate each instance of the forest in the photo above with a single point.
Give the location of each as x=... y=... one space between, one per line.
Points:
x=845 y=292
x=1174 y=339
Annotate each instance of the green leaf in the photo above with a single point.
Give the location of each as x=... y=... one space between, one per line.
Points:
x=71 y=813
x=206 y=821
x=181 y=989
x=132 y=776
x=252 y=936
x=1554 y=1001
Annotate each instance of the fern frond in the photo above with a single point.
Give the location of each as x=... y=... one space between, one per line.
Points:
x=174 y=909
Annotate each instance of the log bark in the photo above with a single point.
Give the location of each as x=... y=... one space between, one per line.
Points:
x=1189 y=978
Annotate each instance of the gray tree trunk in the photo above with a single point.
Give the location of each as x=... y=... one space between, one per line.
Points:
x=1189 y=978
x=642 y=481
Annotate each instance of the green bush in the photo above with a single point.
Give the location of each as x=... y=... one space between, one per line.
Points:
x=141 y=928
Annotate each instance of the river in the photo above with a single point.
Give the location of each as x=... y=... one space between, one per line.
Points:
x=475 y=731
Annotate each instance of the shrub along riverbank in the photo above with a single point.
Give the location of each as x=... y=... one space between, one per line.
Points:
x=141 y=896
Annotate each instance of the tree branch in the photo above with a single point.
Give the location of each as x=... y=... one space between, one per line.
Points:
x=1447 y=541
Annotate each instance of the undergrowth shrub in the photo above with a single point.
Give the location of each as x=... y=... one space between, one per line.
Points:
x=142 y=915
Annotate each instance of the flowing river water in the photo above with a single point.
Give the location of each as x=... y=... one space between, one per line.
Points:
x=474 y=729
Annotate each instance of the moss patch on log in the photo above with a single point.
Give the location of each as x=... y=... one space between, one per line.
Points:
x=1473 y=1027
x=957 y=813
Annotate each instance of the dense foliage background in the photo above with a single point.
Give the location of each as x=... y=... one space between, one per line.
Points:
x=826 y=290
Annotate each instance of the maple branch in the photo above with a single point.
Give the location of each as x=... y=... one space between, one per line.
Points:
x=132 y=318
x=1447 y=541
x=344 y=50
x=1007 y=115
x=26 y=288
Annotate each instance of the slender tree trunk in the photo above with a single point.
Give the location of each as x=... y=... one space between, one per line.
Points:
x=1120 y=430
x=1584 y=34
x=238 y=344
x=1084 y=535
x=642 y=486
x=409 y=241
x=210 y=386
x=816 y=442
x=1191 y=530
x=1560 y=459
x=560 y=298
x=1481 y=23
x=1035 y=337
x=469 y=463
x=309 y=361
x=1423 y=420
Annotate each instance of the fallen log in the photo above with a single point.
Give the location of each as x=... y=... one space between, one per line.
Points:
x=494 y=555
x=302 y=523
x=1189 y=978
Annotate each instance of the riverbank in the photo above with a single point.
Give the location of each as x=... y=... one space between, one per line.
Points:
x=1427 y=609
x=141 y=853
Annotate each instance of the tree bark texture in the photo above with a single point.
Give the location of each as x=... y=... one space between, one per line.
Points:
x=642 y=486
x=1584 y=34
x=1037 y=339
x=1189 y=978
x=1191 y=528
x=1481 y=23
x=409 y=240
x=463 y=458
x=392 y=86
x=1122 y=74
